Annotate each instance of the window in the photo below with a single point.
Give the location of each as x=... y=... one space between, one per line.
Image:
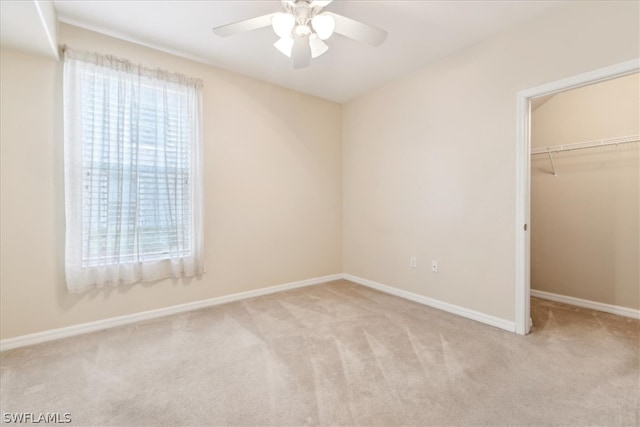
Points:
x=132 y=173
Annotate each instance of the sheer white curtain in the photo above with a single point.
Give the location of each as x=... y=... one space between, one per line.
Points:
x=133 y=178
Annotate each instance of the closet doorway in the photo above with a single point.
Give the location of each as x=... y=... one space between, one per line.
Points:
x=561 y=145
x=585 y=196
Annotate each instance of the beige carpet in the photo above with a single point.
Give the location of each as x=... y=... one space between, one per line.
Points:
x=336 y=354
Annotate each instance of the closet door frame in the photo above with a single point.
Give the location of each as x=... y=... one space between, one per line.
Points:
x=523 y=175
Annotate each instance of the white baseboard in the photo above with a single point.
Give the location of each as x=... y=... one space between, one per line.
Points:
x=607 y=308
x=83 y=328
x=440 y=305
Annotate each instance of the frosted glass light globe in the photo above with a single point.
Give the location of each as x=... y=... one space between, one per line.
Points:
x=282 y=24
x=285 y=45
x=323 y=25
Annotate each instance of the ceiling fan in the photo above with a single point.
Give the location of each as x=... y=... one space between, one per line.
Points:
x=303 y=27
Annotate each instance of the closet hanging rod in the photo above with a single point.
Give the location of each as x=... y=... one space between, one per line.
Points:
x=586 y=144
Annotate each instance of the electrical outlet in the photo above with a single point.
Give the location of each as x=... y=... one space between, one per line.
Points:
x=412 y=262
x=434 y=266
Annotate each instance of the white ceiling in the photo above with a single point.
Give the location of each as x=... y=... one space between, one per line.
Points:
x=29 y=26
x=419 y=32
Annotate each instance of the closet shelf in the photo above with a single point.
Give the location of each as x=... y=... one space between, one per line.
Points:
x=586 y=144
x=581 y=145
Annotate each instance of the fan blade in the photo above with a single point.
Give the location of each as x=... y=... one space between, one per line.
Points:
x=357 y=30
x=242 y=26
x=301 y=53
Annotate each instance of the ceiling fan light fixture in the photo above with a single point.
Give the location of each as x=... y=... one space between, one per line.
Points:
x=283 y=24
x=323 y=25
x=318 y=47
x=285 y=45
x=302 y=30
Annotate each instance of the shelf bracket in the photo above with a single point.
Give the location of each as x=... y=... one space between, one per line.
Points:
x=553 y=167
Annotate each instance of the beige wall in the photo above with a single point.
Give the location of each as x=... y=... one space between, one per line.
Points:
x=429 y=159
x=585 y=222
x=272 y=162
